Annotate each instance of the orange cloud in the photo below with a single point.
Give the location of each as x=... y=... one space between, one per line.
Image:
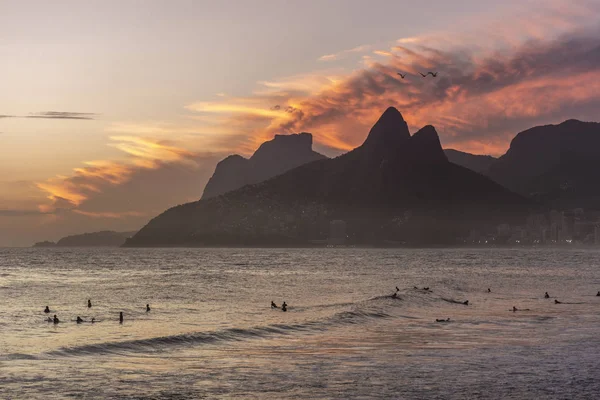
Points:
x=70 y=192
x=479 y=100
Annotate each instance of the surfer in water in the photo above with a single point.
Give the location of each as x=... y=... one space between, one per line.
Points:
x=284 y=306
x=121 y=317
x=79 y=320
x=273 y=305
x=442 y=320
x=89 y=303
x=515 y=309
x=489 y=290
x=55 y=319
x=598 y=294
x=466 y=302
x=395 y=295
x=93 y=320
x=557 y=302
x=147 y=307
x=546 y=295
x=47 y=310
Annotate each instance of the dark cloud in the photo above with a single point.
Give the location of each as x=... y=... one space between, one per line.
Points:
x=62 y=115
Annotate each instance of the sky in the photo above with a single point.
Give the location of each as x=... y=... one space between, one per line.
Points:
x=113 y=111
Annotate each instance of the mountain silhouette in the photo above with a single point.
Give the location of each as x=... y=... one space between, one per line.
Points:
x=272 y=158
x=558 y=165
x=394 y=187
x=93 y=239
x=477 y=163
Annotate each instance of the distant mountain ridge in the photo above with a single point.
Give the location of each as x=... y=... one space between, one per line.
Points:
x=558 y=165
x=393 y=187
x=94 y=239
x=272 y=158
x=478 y=163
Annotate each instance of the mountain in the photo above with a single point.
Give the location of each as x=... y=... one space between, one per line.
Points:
x=394 y=187
x=272 y=158
x=95 y=239
x=45 y=243
x=558 y=165
x=477 y=163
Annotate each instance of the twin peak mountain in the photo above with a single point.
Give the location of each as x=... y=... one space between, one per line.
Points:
x=393 y=187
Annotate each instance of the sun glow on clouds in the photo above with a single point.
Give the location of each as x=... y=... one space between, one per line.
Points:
x=70 y=192
x=491 y=84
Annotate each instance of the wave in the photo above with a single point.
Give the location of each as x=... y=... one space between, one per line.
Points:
x=17 y=356
x=378 y=307
x=157 y=344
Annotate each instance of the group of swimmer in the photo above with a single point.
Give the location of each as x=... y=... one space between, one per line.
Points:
x=283 y=306
x=80 y=320
x=546 y=296
x=466 y=302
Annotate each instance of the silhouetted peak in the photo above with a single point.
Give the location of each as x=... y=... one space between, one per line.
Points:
x=572 y=122
x=232 y=159
x=389 y=132
x=294 y=143
x=426 y=146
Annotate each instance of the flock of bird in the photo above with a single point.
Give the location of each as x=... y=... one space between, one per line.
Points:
x=433 y=74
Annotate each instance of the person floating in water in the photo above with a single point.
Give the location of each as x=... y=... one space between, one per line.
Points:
x=89 y=303
x=47 y=310
x=147 y=307
x=442 y=320
x=466 y=302
x=273 y=305
x=546 y=295
x=121 y=317
x=55 y=319
x=79 y=320
x=284 y=306
x=557 y=302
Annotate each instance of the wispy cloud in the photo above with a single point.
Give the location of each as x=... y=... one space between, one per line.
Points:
x=344 y=53
x=62 y=115
x=70 y=192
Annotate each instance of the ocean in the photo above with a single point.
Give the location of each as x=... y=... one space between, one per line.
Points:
x=211 y=332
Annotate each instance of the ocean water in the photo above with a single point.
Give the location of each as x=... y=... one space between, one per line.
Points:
x=212 y=334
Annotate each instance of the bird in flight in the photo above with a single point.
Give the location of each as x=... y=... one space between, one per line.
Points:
x=402 y=76
x=434 y=74
x=422 y=75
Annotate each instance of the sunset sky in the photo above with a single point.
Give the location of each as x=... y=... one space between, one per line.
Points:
x=113 y=111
